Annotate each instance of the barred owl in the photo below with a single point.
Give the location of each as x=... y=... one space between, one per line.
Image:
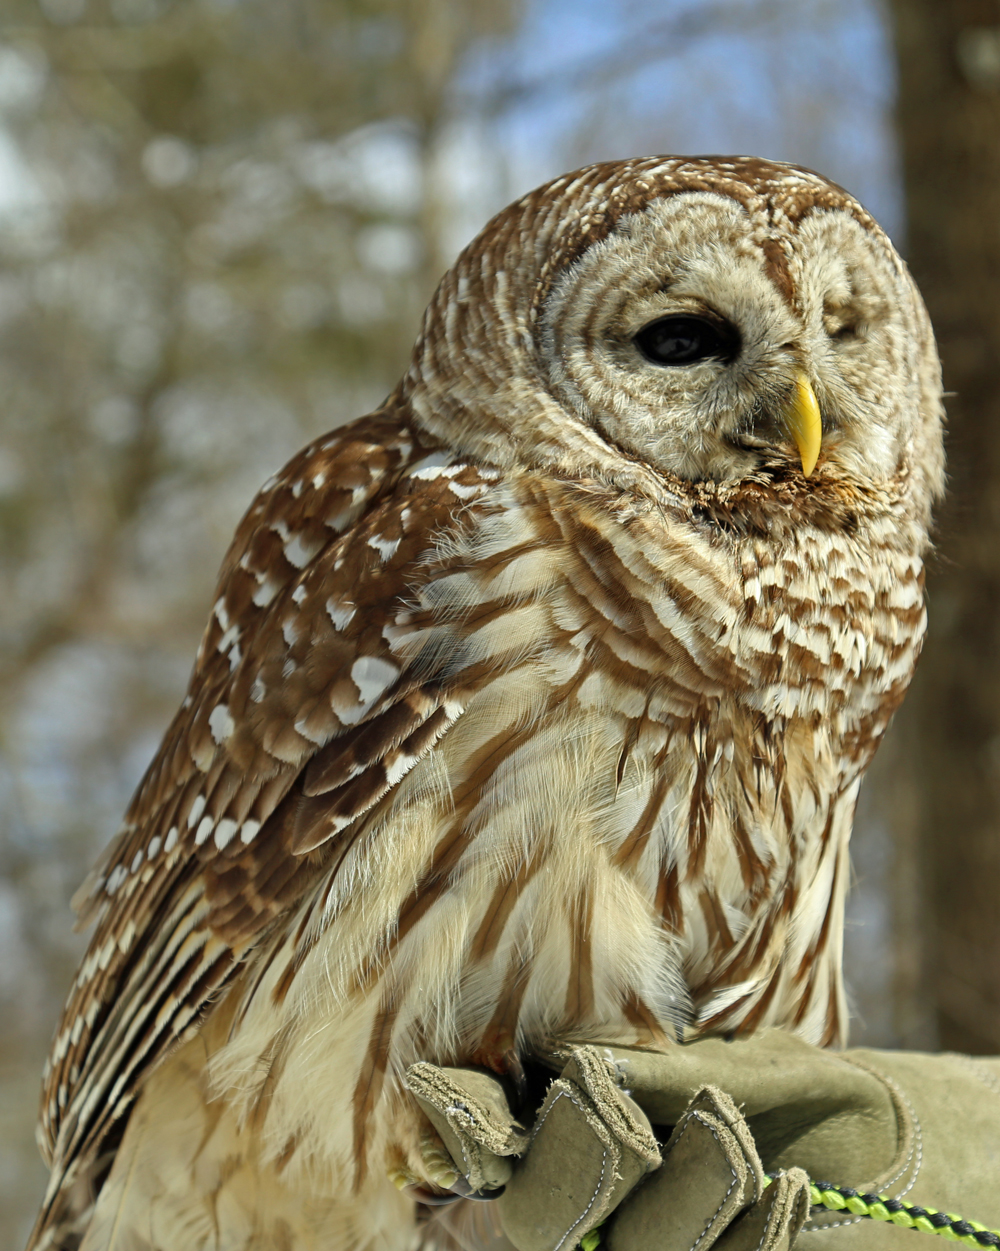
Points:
x=532 y=706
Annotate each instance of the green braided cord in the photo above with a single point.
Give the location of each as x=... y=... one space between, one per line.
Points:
x=908 y=1215
x=876 y=1208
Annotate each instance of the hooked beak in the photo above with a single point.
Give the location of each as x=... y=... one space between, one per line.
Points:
x=803 y=422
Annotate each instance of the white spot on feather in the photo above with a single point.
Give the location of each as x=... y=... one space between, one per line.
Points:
x=247 y=830
x=221 y=723
x=338 y=521
x=171 y=840
x=258 y=690
x=203 y=831
x=224 y=832
x=115 y=879
x=265 y=593
x=466 y=492
x=126 y=935
x=385 y=547
x=137 y=860
x=399 y=769
x=434 y=466
x=372 y=675
x=197 y=808
x=230 y=637
x=299 y=551
x=340 y=612
x=220 y=612
x=299 y=594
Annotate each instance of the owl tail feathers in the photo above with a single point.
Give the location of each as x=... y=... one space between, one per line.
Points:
x=68 y=1207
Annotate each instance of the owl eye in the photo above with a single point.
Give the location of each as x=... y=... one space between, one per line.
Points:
x=686 y=340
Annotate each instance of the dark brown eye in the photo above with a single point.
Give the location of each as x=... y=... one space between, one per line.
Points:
x=686 y=340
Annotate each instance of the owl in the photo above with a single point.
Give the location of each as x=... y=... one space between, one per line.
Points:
x=531 y=707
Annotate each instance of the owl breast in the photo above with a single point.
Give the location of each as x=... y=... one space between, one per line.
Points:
x=637 y=829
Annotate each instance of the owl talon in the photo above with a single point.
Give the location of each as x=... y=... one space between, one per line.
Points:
x=465 y=1191
x=514 y=1070
x=431 y=1198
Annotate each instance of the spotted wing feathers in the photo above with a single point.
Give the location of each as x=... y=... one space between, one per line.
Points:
x=298 y=719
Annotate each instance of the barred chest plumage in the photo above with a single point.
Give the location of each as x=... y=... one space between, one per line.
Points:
x=637 y=827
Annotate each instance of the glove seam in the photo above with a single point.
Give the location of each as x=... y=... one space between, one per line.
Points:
x=766 y=1230
x=916 y=1146
x=983 y=1075
x=457 y=1108
x=712 y=1219
x=565 y=1094
x=916 y=1150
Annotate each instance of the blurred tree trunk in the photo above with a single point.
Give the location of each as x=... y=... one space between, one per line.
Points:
x=949 y=123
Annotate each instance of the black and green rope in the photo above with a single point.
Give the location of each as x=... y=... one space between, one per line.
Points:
x=907 y=1215
x=823 y=1195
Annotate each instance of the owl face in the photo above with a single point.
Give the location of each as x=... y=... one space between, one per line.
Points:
x=683 y=320
x=685 y=335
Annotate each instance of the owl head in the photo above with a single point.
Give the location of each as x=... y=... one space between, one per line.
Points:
x=696 y=320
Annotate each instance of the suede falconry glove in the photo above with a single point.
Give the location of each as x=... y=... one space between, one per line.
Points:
x=671 y=1151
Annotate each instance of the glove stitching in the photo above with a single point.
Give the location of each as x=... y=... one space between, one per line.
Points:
x=976 y=1070
x=695 y=1116
x=817 y=1227
x=918 y=1135
x=767 y=1224
x=565 y=1094
x=918 y=1142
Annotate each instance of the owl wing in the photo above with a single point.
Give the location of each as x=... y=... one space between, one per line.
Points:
x=297 y=720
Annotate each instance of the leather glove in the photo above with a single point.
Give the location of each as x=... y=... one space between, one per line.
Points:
x=891 y=1122
x=590 y=1146
x=903 y=1124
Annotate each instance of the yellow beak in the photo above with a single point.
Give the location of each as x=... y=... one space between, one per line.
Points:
x=804 y=424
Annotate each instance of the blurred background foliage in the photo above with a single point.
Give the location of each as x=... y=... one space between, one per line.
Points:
x=219 y=223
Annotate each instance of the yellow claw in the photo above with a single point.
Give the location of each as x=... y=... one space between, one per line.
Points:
x=804 y=424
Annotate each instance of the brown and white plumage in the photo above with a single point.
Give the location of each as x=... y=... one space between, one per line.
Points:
x=533 y=705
